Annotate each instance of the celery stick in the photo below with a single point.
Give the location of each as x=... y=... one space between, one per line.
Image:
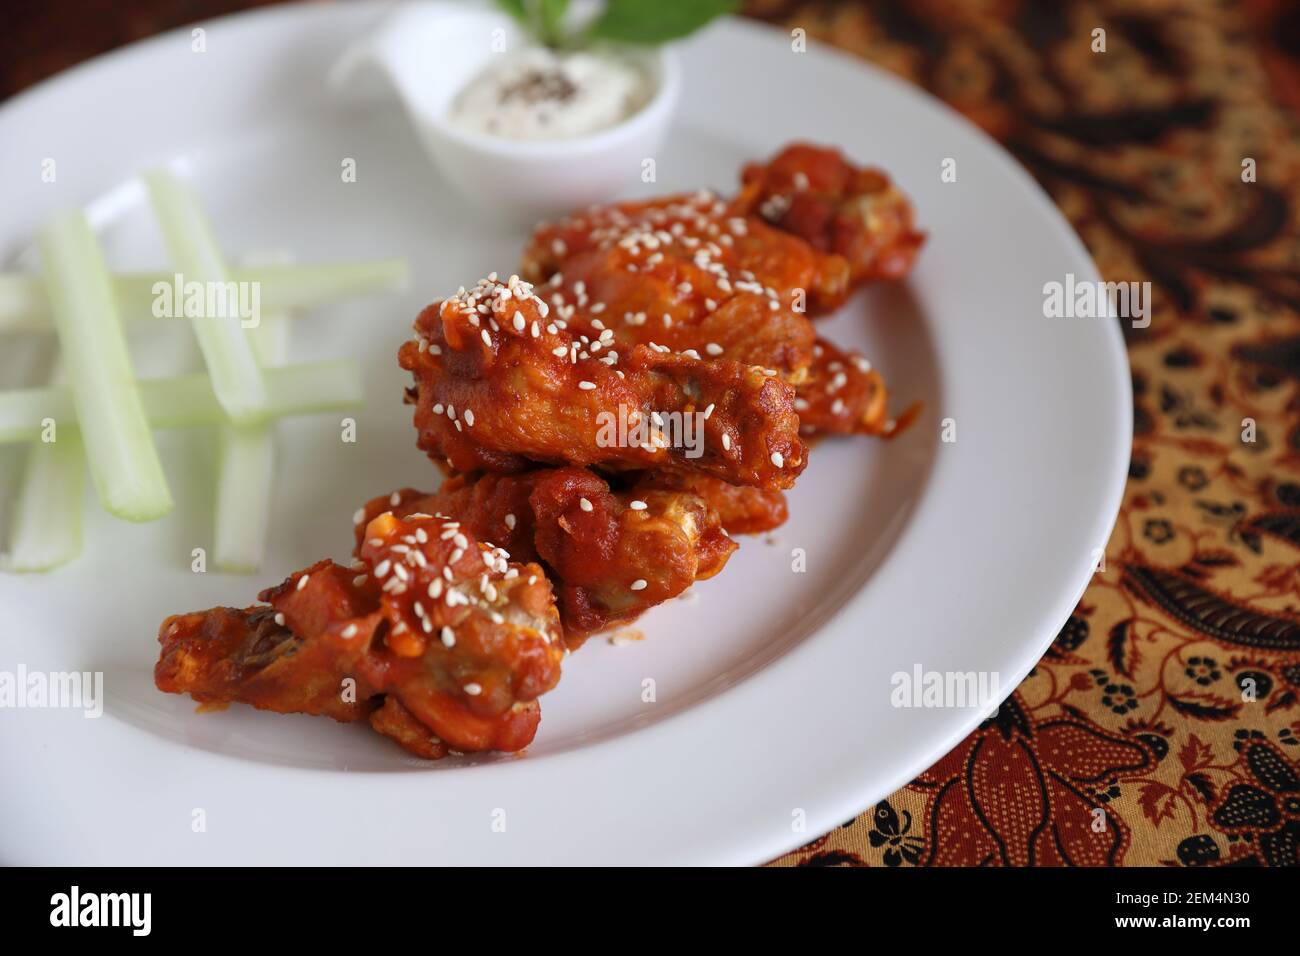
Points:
x=119 y=445
x=188 y=400
x=243 y=508
x=228 y=353
x=22 y=410
x=246 y=470
x=46 y=528
x=24 y=307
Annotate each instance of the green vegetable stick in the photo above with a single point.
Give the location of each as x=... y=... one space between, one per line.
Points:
x=246 y=470
x=119 y=444
x=188 y=400
x=24 y=306
x=227 y=350
x=45 y=530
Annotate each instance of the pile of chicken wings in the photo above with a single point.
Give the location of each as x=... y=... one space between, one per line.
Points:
x=646 y=387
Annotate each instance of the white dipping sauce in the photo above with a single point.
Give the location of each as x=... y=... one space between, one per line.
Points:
x=538 y=94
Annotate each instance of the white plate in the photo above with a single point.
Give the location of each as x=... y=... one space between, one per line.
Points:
x=773 y=688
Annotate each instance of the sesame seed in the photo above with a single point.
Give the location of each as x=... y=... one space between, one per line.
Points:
x=510 y=521
x=778 y=459
x=469 y=417
x=638 y=506
x=350 y=631
x=586 y=386
x=639 y=584
x=359 y=516
x=472 y=689
x=360 y=580
x=302 y=581
x=279 y=618
x=519 y=322
x=726 y=441
x=584 y=504
x=448 y=637
x=487 y=339
x=713 y=348
x=435 y=588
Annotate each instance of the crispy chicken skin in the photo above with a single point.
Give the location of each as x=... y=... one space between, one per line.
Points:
x=501 y=386
x=448 y=641
x=228 y=654
x=700 y=239
x=611 y=558
x=855 y=212
x=682 y=273
x=844 y=395
x=740 y=509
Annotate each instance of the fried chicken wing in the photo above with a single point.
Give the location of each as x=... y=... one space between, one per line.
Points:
x=449 y=642
x=816 y=194
x=740 y=508
x=844 y=395
x=501 y=385
x=699 y=240
x=228 y=654
x=680 y=273
x=612 y=555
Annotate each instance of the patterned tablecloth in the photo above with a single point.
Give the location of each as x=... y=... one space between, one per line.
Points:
x=1163 y=726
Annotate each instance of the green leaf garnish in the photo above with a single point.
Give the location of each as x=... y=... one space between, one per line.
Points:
x=515 y=8
x=655 y=21
x=551 y=14
x=543 y=18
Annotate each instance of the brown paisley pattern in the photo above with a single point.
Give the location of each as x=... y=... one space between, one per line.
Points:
x=1163 y=726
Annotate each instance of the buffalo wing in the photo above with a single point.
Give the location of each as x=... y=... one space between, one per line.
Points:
x=612 y=555
x=447 y=642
